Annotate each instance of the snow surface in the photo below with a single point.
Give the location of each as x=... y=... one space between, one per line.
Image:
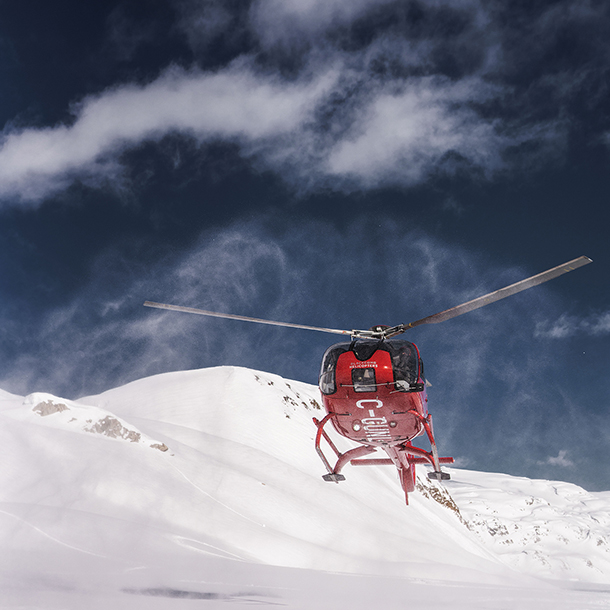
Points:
x=204 y=486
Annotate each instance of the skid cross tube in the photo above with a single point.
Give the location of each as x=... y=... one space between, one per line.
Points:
x=425 y=458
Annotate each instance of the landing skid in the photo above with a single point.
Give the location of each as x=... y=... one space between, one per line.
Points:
x=335 y=478
x=439 y=476
x=404 y=456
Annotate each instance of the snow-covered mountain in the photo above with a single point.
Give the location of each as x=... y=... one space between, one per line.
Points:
x=205 y=485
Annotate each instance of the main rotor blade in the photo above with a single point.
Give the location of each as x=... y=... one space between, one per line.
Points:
x=215 y=314
x=502 y=293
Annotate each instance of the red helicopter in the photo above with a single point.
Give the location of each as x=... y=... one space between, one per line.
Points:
x=374 y=390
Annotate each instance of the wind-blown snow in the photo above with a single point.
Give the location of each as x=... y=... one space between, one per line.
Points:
x=205 y=485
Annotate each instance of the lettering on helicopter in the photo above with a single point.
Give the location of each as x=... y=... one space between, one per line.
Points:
x=376 y=429
x=361 y=403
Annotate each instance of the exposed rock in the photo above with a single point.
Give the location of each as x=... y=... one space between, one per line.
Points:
x=75 y=417
x=439 y=494
x=159 y=446
x=48 y=408
x=112 y=427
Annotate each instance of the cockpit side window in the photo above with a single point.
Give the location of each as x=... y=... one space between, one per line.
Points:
x=328 y=384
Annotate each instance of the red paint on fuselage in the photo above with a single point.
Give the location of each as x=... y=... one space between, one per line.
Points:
x=380 y=414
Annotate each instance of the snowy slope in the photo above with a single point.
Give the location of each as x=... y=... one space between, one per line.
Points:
x=205 y=485
x=547 y=528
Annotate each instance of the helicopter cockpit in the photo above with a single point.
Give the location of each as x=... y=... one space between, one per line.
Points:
x=406 y=366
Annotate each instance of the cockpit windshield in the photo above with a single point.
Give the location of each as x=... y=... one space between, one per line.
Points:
x=364 y=380
x=404 y=361
x=405 y=364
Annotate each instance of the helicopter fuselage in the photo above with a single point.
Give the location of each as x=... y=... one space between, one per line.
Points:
x=374 y=393
x=376 y=401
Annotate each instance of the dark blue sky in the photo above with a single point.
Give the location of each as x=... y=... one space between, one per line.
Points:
x=325 y=162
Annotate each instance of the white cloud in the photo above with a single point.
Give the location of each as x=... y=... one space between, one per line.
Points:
x=568 y=326
x=374 y=134
x=234 y=104
x=410 y=132
x=280 y=21
x=560 y=460
x=285 y=22
x=564 y=326
x=351 y=115
x=600 y=324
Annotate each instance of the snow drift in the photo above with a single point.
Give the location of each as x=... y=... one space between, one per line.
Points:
x=205 y=485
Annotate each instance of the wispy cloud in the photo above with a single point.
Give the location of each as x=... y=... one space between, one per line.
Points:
x=403 y=135
x=349 y=106
x=234 y=105
x=245 y=269
x=398 y=136
x=124 y=37
x=284 y=22
x=560 y=460
x=565 y=326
